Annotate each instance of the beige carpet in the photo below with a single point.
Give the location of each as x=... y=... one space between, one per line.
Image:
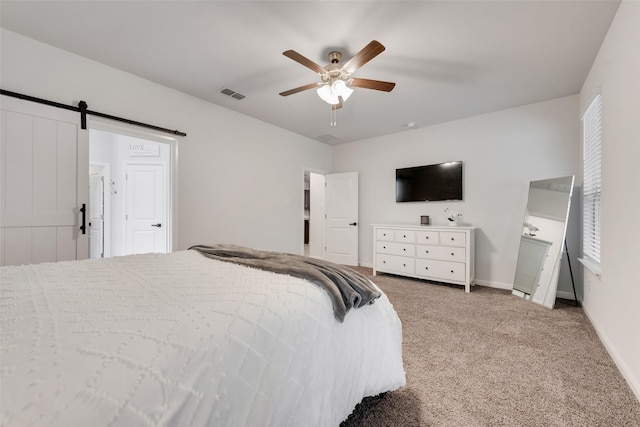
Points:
x=488 y=358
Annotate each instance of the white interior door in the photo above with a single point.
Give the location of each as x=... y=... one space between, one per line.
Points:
x=96 y=216
x=341 y=218
x=45 y=171
x=146 y=208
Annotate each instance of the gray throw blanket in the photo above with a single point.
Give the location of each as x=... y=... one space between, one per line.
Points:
x=346 y=288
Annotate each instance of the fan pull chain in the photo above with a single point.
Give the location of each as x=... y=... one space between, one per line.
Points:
x=333 y=122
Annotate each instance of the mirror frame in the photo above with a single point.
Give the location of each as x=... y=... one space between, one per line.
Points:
x=546 y=286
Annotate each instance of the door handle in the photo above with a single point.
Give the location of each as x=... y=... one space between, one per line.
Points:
x=83 y=227
x=354 y=223
x=156 y=225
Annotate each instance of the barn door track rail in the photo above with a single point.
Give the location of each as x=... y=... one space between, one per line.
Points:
x=82 y=108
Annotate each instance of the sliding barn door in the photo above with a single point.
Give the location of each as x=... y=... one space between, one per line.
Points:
x=44 y=162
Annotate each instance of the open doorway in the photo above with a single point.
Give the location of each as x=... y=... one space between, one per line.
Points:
x=131 y=194
x=314 y=214
x=307 y=211
x=99 y=210
x=331 y=217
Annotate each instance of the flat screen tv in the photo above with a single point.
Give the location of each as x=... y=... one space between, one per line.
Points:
x=429 y=183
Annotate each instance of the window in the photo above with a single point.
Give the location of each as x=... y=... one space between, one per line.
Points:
x=592 y=177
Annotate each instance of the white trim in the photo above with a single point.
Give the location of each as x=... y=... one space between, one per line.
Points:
x=627 y=373
x=591 y=265
x=172 y=177
x=306 y=170
x=592 y=179
x=485 y=283
x=106 y=225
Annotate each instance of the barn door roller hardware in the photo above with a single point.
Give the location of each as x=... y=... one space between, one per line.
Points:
x=83 y=110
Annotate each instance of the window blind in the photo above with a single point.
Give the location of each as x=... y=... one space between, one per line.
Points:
x=592 y=179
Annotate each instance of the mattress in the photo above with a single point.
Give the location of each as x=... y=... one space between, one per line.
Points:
x=182 y=340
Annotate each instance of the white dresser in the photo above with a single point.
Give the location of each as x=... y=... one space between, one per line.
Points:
x=442 y=254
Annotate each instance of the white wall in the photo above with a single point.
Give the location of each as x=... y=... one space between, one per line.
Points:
x=238 y=178
x=612 y=301
x=502 y=152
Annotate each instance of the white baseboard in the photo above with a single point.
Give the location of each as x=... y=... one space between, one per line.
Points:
x=627 y=374
x=498 y=285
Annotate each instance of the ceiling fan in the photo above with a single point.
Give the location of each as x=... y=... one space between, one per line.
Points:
x=336 y=82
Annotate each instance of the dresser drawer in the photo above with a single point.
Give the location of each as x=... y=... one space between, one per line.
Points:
x=428 y=237
x=395 y=264
x=393 y=248
x=443 y=270
x=385 y=235
x=405 y=236
x=453 y=238
x=441 y=253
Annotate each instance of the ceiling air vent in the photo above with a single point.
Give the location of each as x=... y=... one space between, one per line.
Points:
x=231 y=93
x=326 y=138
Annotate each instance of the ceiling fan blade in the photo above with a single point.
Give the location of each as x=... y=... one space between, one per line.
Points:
x=299 y=89
x=304 y=61
x=370 y=51
x=373 y=84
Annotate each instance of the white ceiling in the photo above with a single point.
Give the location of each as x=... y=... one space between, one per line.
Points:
x=449 y=59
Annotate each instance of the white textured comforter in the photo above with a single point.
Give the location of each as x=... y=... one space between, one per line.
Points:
x=182 y=340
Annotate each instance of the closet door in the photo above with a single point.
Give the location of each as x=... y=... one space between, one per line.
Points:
x=44 y=180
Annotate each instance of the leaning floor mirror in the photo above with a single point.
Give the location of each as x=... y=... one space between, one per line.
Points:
x=542 y=240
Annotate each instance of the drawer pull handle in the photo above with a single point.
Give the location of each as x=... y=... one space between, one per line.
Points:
x=384 y=247
x=384 y=262
x=426 y=252
x=452 y=238
x=452 y=271
x=452 y=254
x=404 y=249
x=404 y=265
x=427 y=237
x=426 y=268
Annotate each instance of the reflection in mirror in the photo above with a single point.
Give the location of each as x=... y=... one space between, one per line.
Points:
x=542 y=240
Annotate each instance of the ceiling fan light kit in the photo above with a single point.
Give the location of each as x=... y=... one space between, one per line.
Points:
x=335 y=79
x=332 y=92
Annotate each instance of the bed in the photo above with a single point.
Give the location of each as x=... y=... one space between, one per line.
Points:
x=184 y=340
